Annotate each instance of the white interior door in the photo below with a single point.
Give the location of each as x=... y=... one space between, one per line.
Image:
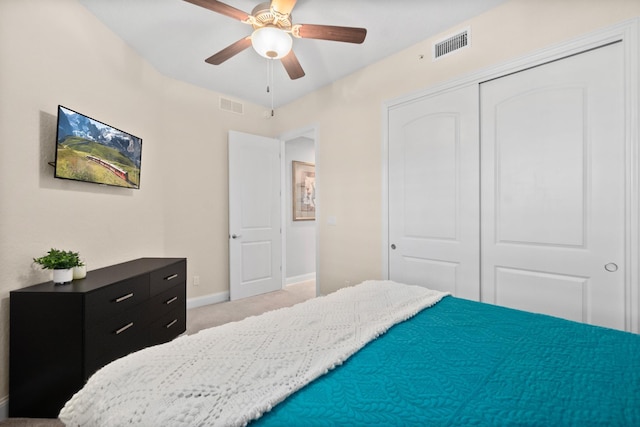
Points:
x=434 y=192
x=255 y=245
x=553 y=188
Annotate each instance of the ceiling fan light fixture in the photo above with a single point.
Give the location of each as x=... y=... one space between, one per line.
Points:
x=271 y=42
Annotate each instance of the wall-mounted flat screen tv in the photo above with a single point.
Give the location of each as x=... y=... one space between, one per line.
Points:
x=91 y=151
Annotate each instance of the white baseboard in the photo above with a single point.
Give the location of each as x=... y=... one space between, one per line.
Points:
x=298 y=279
x=207 y=299
x=4 y=408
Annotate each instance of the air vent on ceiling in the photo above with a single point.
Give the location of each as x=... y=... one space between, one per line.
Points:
x=451 y=43
x=232 y=106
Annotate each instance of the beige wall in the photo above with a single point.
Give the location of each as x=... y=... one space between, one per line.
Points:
x=349 y=116
x=55 y=52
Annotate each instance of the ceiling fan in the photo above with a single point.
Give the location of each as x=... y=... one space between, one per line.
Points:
x=272 y=33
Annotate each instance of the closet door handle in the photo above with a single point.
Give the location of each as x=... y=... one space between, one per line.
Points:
x=393 y=246
x=611 y=267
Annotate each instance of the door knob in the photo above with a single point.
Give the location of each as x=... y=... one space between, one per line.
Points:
x=393 y=246
x=235 y=236
x=611 y=267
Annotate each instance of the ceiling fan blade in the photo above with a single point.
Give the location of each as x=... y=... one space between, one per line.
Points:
x=229 y=51
x=221 y=8
x=330 y=32
x=293 y=67
x=283 y=6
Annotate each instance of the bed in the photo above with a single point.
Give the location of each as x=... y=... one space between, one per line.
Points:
x=379 y=353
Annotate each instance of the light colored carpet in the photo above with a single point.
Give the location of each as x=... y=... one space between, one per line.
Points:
x=207 y=317
x=231 y=311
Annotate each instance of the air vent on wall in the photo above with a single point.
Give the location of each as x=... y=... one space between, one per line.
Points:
x=232 y=106
x=451 y=43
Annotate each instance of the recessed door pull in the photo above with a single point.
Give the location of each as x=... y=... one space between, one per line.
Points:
x=611 y=267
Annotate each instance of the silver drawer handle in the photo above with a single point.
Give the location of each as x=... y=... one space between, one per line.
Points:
x=173 y=276
x=124 y=297
x=171 y=300
x=173 y=322
x=124 y=328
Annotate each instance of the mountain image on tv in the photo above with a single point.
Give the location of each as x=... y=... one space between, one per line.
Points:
x=89 y=150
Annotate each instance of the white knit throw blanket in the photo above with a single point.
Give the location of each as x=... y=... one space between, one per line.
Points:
x=232 y=374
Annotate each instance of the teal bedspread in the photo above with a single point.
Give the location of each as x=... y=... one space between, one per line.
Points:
x=464 y=363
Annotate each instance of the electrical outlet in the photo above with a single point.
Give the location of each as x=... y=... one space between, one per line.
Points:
x=196 y=280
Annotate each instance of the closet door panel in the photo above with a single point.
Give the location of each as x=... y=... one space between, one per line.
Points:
x=430 y=177
x=433 y=192
x=433 y=273
x=552 y=188
x=541 y=170
x=560 y=295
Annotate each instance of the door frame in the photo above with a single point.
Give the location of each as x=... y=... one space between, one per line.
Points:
x=310 y=131
x=628 y=32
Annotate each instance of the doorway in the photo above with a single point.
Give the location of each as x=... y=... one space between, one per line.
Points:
x=299 y=231
x=268 y=248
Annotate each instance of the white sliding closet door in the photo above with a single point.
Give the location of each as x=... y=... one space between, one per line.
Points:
x=433 y=192
x=553 y=188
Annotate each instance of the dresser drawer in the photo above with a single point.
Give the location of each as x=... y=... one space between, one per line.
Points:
x=115 y=337
x=114 y=299
x=167 y=301
x=164 y=278
x=169 y=325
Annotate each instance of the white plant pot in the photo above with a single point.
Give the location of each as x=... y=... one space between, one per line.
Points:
x=63 y=276
x=79 y=272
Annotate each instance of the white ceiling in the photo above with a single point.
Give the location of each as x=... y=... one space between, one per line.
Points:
x=176 y=37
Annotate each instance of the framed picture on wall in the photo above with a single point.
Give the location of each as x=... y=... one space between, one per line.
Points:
x=304 y=191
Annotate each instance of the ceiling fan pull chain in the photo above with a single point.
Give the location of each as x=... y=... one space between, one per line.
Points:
x=268 y=78
x=270 y=71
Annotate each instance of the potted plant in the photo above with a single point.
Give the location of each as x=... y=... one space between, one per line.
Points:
x=61 y=262
x=80 y=270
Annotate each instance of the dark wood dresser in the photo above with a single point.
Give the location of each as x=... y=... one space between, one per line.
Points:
x=61 y=334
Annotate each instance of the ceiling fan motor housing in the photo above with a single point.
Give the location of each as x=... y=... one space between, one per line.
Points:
x=264 y=16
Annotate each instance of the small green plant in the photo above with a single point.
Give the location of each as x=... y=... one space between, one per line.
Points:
x=59 y=260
